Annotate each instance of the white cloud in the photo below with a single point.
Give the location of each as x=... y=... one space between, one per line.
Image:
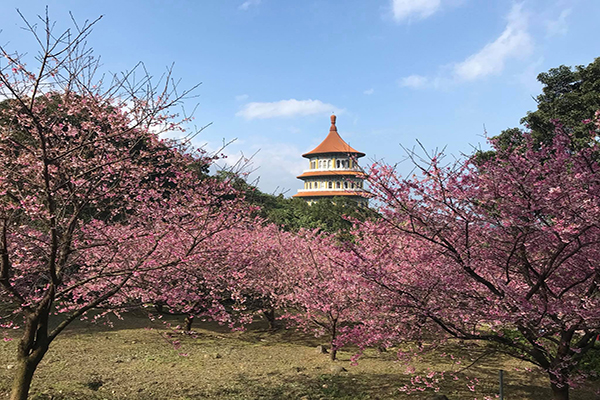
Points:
x=515 y=41
x=249 y=3
x=413 y=81
x=421 y=9
x=369 y=92
x=559 y=26
x=286 y=108
x=241 y=97
x=273 y=166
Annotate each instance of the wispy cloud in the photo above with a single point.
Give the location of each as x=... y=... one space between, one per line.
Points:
x=369 y=92
x=241 y=97
x=514 y=42
x=406 y=9
x=249 y=3
x=286 y=108
x=272 y=165
x=559 y=26
x=413 y=81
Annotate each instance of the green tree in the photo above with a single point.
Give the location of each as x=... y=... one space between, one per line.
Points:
x=569 y=96
x=329 y=215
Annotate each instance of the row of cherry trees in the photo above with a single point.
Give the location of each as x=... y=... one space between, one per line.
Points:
x=503 y=251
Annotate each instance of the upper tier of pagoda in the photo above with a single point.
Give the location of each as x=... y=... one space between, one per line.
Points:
x=332 y=144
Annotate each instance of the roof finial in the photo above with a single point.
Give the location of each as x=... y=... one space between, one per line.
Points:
x=333 y=128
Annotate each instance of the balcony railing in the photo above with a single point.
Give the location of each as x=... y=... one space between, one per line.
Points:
x=331 y=190
x=332 y=169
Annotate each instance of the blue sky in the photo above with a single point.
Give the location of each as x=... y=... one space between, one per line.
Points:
x=394 y=71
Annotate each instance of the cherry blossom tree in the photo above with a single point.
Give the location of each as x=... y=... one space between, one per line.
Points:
x=324 y=295
x=215 y=283
x=504 y=251
x=304 y=275
x=94 y=207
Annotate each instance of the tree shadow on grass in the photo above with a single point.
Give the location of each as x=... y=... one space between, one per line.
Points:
x=355 y=386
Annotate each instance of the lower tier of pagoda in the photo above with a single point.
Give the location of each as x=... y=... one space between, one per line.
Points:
x=331 y=193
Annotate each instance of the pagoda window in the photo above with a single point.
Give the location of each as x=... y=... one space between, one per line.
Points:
x=328 y=164
x=313 y=164
x=338 y=185
x=346 y=185
x=330 y=185
x=353 y=185
x=337 y=163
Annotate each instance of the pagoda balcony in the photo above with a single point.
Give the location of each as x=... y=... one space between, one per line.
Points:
x=355 y=168
x=355 y=190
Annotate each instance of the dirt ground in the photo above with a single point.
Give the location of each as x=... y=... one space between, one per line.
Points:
x=136 y=359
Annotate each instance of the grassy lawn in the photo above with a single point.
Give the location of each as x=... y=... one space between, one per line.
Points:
x=134 y=360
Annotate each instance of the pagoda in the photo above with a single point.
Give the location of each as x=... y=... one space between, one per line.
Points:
x=333 y=171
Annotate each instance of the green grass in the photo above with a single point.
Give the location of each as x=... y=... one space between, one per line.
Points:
x=134 y=360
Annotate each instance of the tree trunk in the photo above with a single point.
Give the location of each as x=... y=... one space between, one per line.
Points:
x=189 y=320
x=22 y=379
x=26 y=366
x=333 y=353
x=269 y=315
x=33 y=345
x=560 y=392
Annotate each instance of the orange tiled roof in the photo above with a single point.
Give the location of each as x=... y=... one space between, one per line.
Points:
x=333 y=143
x=330 y=193
x=317 y=173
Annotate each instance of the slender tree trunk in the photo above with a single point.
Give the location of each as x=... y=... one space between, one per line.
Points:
x=189 y=320
x=560 y=392
x=33 y=345
x=559 y=381
x=269 y=315
x=333 y=353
